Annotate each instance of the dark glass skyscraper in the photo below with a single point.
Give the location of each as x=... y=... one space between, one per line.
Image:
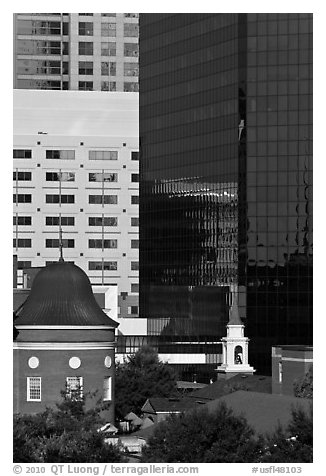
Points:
x=225 y=179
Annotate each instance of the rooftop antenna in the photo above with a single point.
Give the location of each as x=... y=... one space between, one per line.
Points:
x=61 y=260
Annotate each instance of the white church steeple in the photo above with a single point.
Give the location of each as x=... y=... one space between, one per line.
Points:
x=235 y=344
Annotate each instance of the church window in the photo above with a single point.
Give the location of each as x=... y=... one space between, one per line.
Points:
x=33 y=389
x=107 y=388
x=74 y=388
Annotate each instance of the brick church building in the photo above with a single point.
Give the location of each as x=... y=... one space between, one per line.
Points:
x=65 y=342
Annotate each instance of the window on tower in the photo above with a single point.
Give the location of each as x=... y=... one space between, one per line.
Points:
x=85 y=28
x=85 y=48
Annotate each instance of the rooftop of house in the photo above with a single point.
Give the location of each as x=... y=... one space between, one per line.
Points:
x=253 y=383
x=133 y=418
x=263 y=411
x=146 y=433
x=166 y=405
x=182 y=384
x=220 y=388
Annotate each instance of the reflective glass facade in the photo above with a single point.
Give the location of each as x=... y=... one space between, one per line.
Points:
x=225 y=184
x=278 y=269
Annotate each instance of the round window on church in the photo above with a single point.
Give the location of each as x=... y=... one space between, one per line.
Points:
x=33 y=362
x=74 y=362
x=108 y=361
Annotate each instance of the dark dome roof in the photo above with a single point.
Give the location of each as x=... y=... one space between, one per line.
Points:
x=61 y=294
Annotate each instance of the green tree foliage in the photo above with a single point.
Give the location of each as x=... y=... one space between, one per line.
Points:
x=67 y=433
x=303 y=387
x=202 y=437
x=27 y=430
x=139 y=377
x=293 y=445
x=77 y=447
x=222 y=437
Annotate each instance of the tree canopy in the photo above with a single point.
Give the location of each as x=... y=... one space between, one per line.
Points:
x=139 y=377
x=222 y=437
x=293 y=445
x=203 y=437
x=67 y=433
x=303 y=387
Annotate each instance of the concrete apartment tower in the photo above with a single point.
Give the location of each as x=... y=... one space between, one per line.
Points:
x=83 y=167
x=76 y=51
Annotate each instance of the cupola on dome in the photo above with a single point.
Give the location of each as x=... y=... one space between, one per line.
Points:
x=61 y=294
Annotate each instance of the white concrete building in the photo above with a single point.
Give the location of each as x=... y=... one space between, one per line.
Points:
x=76 y=51
x=76 y=162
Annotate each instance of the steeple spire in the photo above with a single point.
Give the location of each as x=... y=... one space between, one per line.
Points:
x=234 y=316
x=235 y=344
